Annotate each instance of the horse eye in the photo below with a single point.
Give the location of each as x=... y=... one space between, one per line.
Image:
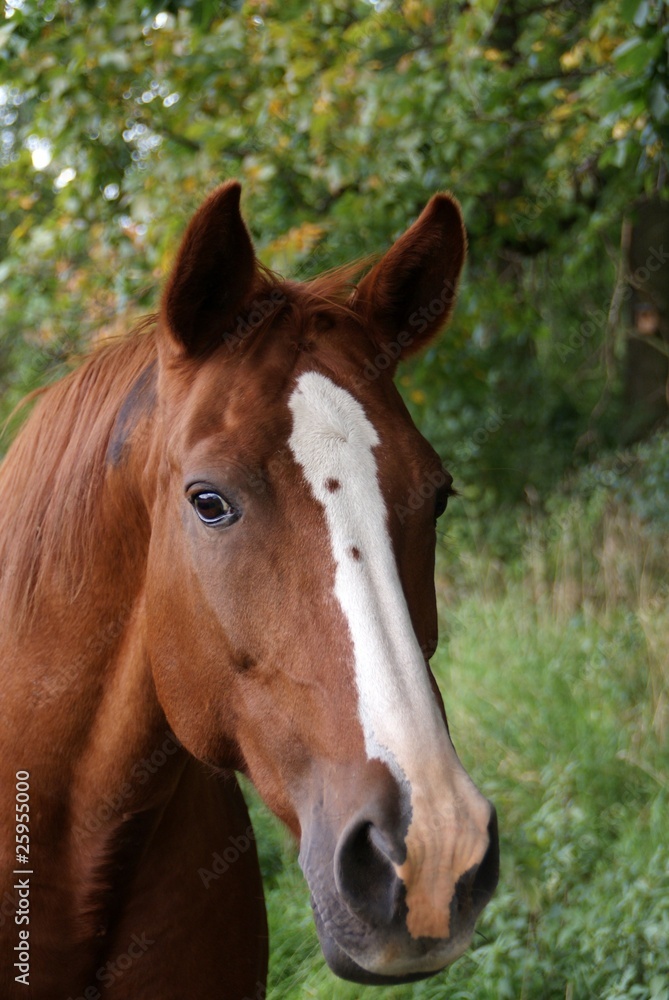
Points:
x=212 y=508
x=441 y=501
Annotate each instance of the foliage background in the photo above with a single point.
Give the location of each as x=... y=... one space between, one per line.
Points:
x=549 y=119
x=341 y=118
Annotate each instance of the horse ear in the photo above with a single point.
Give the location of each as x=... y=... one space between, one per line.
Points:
x=409 y=295
x=213 y=274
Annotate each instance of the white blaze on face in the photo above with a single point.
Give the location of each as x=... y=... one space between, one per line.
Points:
x=333 y=441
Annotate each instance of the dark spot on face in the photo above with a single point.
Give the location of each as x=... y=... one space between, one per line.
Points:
x=332 y=485
x=244 y=662
x=355 y=552
x=140 y=401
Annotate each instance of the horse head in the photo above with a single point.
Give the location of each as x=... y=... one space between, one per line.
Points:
x=290 y=598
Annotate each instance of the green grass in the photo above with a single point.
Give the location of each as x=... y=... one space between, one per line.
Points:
x=562 y=719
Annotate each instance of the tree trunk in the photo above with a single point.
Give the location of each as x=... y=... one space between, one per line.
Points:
x=647 y=356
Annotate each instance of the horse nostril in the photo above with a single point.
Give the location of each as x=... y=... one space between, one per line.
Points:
x=487 y=875
x=364 y=874
x=476 y=887
x=368 y=884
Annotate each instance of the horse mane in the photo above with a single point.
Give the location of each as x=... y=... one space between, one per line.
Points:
x=51 y=478
x=335 y=287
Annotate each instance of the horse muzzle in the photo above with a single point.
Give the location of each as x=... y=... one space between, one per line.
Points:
x=389 y=907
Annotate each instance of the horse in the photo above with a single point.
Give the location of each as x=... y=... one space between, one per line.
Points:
x=208 y=566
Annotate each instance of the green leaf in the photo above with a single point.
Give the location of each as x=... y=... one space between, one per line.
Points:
x=637 y=55
x=659 y=102
x=630 y=10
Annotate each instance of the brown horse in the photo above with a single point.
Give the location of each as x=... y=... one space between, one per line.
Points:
x=209 y=564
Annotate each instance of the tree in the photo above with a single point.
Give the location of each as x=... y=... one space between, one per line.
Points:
x=547 y=119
